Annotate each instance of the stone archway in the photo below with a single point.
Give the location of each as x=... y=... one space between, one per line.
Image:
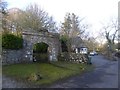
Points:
x=30 y=38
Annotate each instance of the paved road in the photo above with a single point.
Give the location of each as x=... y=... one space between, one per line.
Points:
x=105 y=75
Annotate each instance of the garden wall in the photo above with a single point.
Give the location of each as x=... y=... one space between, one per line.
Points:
x=73 y=57
x=13 y=56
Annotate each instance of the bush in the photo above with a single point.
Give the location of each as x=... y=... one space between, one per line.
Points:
x=64 y=44
x=10 y=41
x=40 y=48
x=41 y=57
x=64 y=56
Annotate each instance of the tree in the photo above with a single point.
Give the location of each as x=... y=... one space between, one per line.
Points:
x=34 y=18
x=66 y=26
x=91 y=43
x=3 y=11
x=75 y=26
x=66 y=30
x=52 y=25
x=63 y=41
x=13 y=21
x=3 y=7
x=72 y=30
x=110 y=33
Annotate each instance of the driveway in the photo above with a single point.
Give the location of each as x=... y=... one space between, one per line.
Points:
x=105 y=75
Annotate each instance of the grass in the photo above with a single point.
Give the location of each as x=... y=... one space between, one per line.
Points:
x=70 y=66
x=50 y=72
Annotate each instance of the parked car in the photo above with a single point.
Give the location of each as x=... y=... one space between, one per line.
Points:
x=92 y=54
x=95 y=53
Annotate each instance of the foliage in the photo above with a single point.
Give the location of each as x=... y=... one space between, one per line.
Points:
x=40 y=48
x=41 y=57
x=63 y=56
x=0 y=43
x=110 y=33
x=118 y=46
x=40 y=52
x=3 y=7
x=49 y=72
x=63 y=41
x=66 y=25
x=3 y=11
x=71 y=29
x=72 y=26
x=12 y=21
x=34 y=77
x=91 y=43
x=10 y=41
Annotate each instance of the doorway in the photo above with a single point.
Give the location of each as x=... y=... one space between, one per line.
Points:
x=40 y=52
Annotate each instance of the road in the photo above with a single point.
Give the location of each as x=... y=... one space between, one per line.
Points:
x=105 y=75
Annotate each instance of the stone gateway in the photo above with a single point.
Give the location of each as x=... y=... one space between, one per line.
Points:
x=29 y=40
x=51 y=39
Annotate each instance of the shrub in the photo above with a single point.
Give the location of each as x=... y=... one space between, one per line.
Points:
x=64 y=44
x=41 y=57
x=64 y=56
x=40 y=48
x=34 y=77
x=10 y=41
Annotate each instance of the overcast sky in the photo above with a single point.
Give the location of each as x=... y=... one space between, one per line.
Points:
x=94 y=11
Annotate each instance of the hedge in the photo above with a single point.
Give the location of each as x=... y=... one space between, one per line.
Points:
x=10 y=41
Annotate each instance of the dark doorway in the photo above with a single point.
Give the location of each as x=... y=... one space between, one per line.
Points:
x=40 y=52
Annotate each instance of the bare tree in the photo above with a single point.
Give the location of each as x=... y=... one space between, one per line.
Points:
x=91 y=43
x=110 y=33
x=12 y=21
x=3 y=13
x=35 y=18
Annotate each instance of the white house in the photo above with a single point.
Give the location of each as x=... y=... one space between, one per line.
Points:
x=82 y=50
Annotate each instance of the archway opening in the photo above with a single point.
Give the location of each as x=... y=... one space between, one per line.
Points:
x=40 y=52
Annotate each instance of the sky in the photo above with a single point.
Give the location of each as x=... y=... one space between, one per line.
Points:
x=95 y=12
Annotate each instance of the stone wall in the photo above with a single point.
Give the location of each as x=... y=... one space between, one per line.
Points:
x=74 y=57
x=13 y=56
x=26 y=54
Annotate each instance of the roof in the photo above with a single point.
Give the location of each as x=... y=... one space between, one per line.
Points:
x=77 y=42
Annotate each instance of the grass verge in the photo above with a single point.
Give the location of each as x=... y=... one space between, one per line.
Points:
x=49 y=72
